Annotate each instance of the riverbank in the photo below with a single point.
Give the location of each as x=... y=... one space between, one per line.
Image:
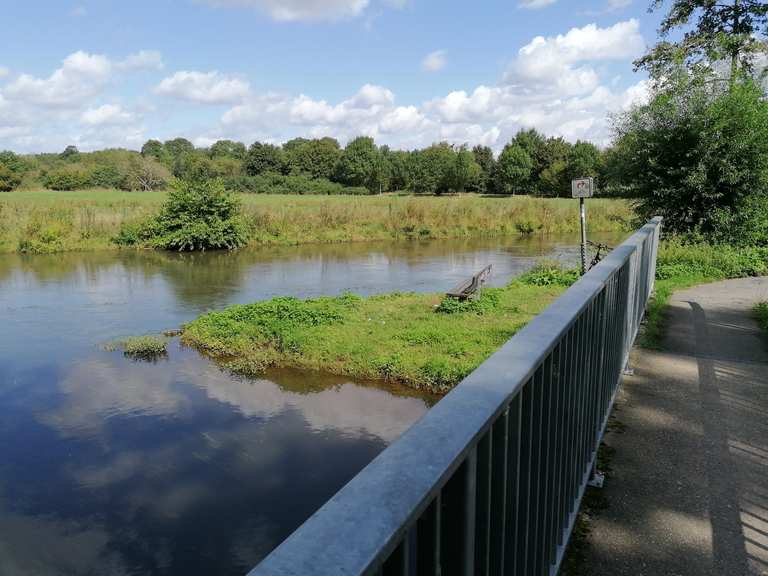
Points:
x=420 y=340
x=48 y=221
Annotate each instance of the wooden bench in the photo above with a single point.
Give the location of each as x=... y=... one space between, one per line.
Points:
x=469 y=288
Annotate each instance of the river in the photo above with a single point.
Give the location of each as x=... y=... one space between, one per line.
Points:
x=112 y=466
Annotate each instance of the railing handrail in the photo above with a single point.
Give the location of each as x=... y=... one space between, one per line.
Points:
x=361 y=526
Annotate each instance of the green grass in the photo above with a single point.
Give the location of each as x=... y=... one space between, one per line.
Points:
x=140 y=347
x=761 y=315
x=681 y=266
x=49 y=221
x=412 y=339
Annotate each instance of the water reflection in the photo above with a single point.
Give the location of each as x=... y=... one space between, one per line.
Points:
x=110 y=466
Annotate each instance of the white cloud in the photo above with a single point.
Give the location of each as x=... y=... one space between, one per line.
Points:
x=108 y=114
x=204 y=87
x=81 y=76
x=143 y=60
x=535 y=4
x=4 y=71
x=292 y=10
x=557 y=62
x=434 y=61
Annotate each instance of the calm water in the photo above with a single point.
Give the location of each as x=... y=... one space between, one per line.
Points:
x=110 y=466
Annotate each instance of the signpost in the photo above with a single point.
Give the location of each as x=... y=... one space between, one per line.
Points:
x=583 y=188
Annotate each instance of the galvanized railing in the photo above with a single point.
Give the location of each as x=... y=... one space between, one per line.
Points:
x=490 y=480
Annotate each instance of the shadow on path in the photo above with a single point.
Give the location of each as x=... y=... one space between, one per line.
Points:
x=688 y=493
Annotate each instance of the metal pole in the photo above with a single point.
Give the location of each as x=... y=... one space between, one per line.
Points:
x=583 y=215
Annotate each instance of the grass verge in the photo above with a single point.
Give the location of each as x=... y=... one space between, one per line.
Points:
x=141 y=347
x=681 y=266
x=48 y=221
x=761 y=315
x=420 y=340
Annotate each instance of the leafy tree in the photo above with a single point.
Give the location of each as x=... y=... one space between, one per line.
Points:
x=153 y=148
x=70 y=153
x=465 y=172
x=730 y=30
x=513 y=169
x=554 y=178
x=484 y=158
x=533 y=142
x=178 y=147
x=317 y=158
x=584 y=160
x=263 y=158
x=360 y=164
x=198 y=215
x=228 y=149
x=699 y=158
x=399 y=168
x=432 y=169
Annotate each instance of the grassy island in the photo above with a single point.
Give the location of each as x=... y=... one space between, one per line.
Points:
x=421 y=340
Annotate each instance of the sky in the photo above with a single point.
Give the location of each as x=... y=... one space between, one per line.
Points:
x=111 y=73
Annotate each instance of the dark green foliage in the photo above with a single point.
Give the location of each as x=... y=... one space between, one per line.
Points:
x=263 y=158
x=178 y=147
x=484 y=158
x=66 y=178
x=69 y=153
x=361 y=164
x=12 y=169
x=465 y=173
x=271 y=183
x=198 y=215
x=513 y=170
x=431 y=169
x=153 y=148
x=699 y=158
x=314 y=158
x=228 y=149
x=550 y=274
x=106 y=176
x=731 y=30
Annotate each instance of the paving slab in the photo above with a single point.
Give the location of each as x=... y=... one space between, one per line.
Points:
x=688 y=490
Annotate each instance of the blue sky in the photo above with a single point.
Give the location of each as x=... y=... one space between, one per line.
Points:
x=408 y=72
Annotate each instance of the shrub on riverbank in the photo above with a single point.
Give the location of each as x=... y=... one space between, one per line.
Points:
x=87 y=220
x=197 y=215
x=415 y=339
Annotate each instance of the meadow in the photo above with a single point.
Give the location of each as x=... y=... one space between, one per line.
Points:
x=47 y=221
x=425 y=341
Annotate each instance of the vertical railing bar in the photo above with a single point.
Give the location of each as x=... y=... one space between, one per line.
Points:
x=524 y=500
x=470 y=503
x=483 y=508
x=514 y=449
x=498 y=513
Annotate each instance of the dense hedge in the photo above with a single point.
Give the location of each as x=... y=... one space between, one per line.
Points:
x=271 y=183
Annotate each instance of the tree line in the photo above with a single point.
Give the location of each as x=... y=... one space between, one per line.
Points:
x=529 y=164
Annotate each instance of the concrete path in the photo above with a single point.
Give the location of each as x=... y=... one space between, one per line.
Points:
x=688 y=492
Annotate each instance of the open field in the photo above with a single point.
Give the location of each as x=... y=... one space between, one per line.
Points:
x=419 y=340
x=48 y=221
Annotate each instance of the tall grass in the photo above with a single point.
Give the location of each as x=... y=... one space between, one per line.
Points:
x=45 y=221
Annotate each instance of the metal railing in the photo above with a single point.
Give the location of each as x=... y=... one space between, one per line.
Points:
x=490 y=480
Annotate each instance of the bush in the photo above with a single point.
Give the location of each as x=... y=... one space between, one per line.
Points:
x=679 y=259
x=66 y=178
x=550 y=274
x=198 y=215
x=12 y=170
x=272 y=183
x=9 y=179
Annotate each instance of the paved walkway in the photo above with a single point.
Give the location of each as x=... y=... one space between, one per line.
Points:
x=688 y=493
